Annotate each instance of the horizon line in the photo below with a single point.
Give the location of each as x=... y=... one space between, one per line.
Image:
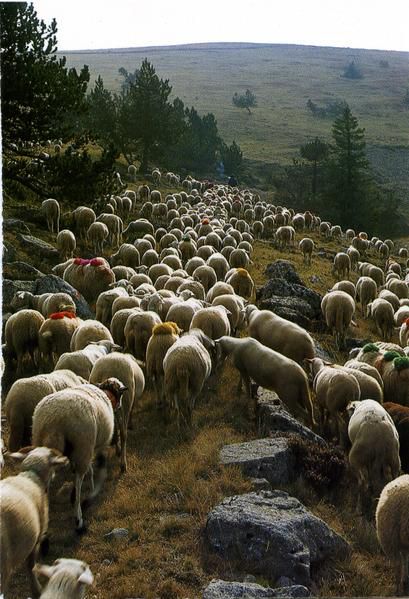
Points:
x=196 y=44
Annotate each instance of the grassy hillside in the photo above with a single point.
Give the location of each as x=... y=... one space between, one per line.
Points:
x=283 y=77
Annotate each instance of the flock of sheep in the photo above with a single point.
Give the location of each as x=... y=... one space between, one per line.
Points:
x=171 y=304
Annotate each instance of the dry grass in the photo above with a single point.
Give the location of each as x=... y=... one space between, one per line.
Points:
x=173 y=482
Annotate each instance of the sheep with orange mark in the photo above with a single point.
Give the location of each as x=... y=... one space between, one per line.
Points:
x=164 y=335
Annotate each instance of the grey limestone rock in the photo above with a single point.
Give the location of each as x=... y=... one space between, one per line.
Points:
x=273 y=534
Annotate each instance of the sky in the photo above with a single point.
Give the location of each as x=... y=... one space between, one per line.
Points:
x=93 y=24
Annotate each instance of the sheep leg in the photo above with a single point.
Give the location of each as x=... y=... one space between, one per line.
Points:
x=30 y=562
x=403 y=582
x=91 y=477
x=79 y=479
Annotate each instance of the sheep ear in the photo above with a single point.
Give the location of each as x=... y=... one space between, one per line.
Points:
x=43 y=570
x=59 y=460
x=86 y=577
x=19 y=456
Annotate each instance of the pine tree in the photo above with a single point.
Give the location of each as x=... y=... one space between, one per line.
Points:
x=39 y=95
x=348 y=175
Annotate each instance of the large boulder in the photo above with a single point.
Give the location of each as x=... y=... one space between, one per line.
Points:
x=221 y=589
x=9 y=252
x=21 y=271
x=54 y=284
x=38 y=246
x=273 y=419
x=15 y=224
x=272 y=534
x=286 y=294
x=271 y=459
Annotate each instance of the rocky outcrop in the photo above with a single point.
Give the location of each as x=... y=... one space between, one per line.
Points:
x=38 y=246
x=21 y=271
x=273 y=534
x=221 y=589
x=10 y=288
x=286 y=295
x=273 y=418
x=271 y=459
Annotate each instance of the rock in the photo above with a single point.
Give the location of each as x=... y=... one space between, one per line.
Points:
x=21 y=270
x=273 y=418
x=282 y=288
x=11 y=287
x=283 y=269
x=291 y=308
x=117 y=533
x=38 y=246
x=220 y=589
x=15 y=224
x=54 y=284
x=272 y=534
x=264 y=458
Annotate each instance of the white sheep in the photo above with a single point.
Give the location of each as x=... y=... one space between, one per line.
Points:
x=163 y=336
x=81 y=418
x=392 y=528
x=54 y=337
x=213 y=321
x=66 y=244
x=374 y=456
x=138 y=331
x=104 y=304
x=306 y=246
x=87 y=331
x=269 y=369
x=382 y=313
x=342 y=265
x=83 y=217
x=338 y=309
x=97 y=233
x=125 y=368
x=366 y=292
x=82 y=361
x=25 y=394
x=24 y=511
x=280 y=334
x=52 y=213
x=46 y=303
x=21 y=337
x=67 y=579
x=187 y=366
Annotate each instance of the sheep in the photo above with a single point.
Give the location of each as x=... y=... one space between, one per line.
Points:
x=392 y=528
x=137 y=332
x=118 y=323
x=342 y=265
x=54 y=337
x=382 y=313
x=122 y=302
x=219 y=288
x=81 y=419
x=104 y=304
x=395 y=375
x=400 y=417
x=87 y=331
x=239 y=258
x=24 y=511
x=125 y=368
x=285 y=237
x=206 y=276
x=97 y=234
x=338 y=309
x=66 y=244
x=138 y=228
x=46 y=303
x=377 y=275
x=391 y=298
x=346 y=286
x=58 y=269
x=241 y=282
x=67 y=579
x=280 y=334
x=89 y=277
x=21 y=336
x=236 y=312
x=401 y=315
x=399 y=288
x=366 y=292
x=367 y=369
x=334 y=389
x=354 y=257
x=269 y=369
x=306 y=246
x=374 y=455
x=83 y=217
x=25 y=394
x=163 y=337
x=127 y=255
x=325 y=229
x=132 y=172
x=186 y=366
x=220 y=265
x=81 y=361
x=52 y=213
x=213 y=321
x=115 y=228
